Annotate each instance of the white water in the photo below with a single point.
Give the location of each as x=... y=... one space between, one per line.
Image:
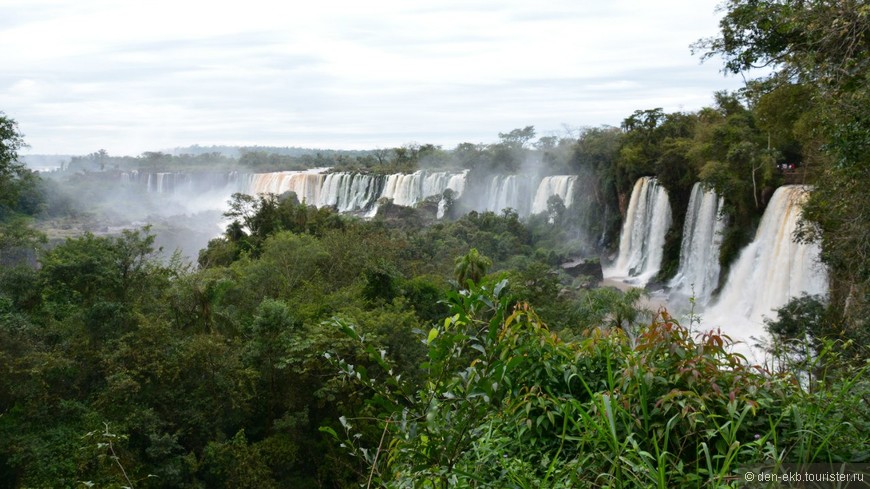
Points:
x=561 y=185
x=357 y=192
x=155 y=182
x=643 y=234
x=306 y=184
x=351 y=192
x=770 y=270
x=698 y=273
x=184 y=185
x=506 y=191
x=526 y=195
x=186 y=193
x=409 y=189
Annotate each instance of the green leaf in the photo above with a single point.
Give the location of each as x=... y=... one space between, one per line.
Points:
x=331 y=432
x=433 y=333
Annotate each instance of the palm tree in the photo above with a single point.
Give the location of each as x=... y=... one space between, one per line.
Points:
x=472 y=266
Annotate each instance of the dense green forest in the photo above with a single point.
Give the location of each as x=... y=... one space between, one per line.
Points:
x=306 y=348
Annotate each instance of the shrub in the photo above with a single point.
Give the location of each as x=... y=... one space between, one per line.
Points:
x=506 y=403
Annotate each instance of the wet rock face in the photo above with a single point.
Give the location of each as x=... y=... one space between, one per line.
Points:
x=584 y=267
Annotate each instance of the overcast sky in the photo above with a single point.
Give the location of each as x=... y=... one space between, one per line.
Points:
x=134 y=76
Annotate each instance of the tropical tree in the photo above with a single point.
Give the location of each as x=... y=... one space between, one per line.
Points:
x=613 y=308
x=517 y=138
x=471 y=266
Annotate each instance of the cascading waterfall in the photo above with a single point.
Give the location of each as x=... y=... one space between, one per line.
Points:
x=561 y=185
x=358 y=192
x=129 y=177
x=306 y=184
x=456 y=183
x=523 y=194
x=409 y=189
x=352 y=192
x=166 y=182
x=506 y=191
x=184 y=184
x=643 y=234
x=403 y=189
x=772 y=269
x=698 y=273
x=161 y=182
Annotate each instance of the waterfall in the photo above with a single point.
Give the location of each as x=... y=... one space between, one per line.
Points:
x=183 y=184
x=698 y=273
x=403 y=189
x=350 y=192
x=360 y=193
x=505 y=191
x=456 y=183
x=161 y=178
x=523 y=194
x=166 y=182
x=772 y=269
x=128 y=177
x=306 y=184
x=643 y=234
x=409 y=189
x=356 y=192
x=561 y=185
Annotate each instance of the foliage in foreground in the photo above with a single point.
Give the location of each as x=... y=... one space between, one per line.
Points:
x=506 y=403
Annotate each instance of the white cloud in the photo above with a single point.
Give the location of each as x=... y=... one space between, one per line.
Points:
x=137 y=76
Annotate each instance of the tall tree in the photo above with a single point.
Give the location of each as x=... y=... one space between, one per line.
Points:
x=471 y=266
x=12 y=172
x=517 y=138
x=20 y=194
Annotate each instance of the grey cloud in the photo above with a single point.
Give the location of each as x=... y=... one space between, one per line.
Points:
x=269 y=87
